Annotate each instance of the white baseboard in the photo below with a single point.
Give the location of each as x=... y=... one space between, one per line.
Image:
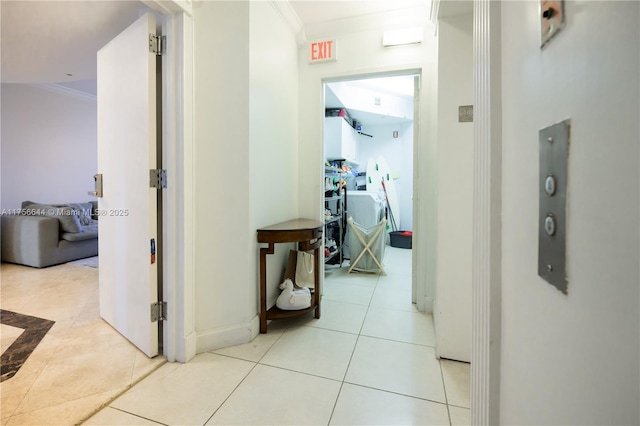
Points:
x=235 y=335
x=190 y=347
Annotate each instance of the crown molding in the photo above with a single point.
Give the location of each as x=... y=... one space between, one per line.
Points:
x=434 y=15
x=434 y=12
x=291 y=18
x=66 y=91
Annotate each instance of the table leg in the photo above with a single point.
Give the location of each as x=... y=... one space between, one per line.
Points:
x=316 y=279
x=263 y=285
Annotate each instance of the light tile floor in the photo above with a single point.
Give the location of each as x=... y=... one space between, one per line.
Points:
x=80 y=365
x=369 y=360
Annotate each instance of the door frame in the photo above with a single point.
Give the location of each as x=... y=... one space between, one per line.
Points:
x=419 y=294
x=487 y=213
x=177 y=149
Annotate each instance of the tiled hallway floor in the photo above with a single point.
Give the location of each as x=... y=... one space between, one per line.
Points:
x=80 y=364
x=368 y=360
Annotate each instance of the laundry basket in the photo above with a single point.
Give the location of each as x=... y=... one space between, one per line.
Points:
x=367 y=245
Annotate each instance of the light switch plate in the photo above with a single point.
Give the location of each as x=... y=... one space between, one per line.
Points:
x=552 y=221
x=551 y=19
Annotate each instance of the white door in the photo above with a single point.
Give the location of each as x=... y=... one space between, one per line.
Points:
x=128 y=273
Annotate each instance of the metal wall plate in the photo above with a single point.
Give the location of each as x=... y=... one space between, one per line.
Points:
x=552 y=221
x=465 y=113
x=551 y=19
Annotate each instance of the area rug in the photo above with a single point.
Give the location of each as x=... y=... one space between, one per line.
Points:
x=91 y=262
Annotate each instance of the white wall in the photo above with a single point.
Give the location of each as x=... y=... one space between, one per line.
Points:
x=399 y=155
x=49 y=146
x=572 y=359
x=452 y=313
x=245 y=93
x=221 y=154
x=361 y=53
x=273 y=134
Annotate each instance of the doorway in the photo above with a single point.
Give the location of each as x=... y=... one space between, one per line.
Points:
x=370 y=125
x=81 y=312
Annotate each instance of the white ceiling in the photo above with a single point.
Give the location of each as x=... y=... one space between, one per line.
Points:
x=318 y=11
x=56 y=41
x=397 y=86
x=45 y=41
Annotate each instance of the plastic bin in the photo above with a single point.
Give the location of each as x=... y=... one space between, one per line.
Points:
x=401 y=239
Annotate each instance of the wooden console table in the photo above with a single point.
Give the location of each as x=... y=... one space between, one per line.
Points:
x=308 y=234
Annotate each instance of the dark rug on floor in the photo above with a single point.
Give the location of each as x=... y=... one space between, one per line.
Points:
x=91 y=262
x=16 y=354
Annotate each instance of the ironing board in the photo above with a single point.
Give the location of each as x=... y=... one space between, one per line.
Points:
x=369 y=244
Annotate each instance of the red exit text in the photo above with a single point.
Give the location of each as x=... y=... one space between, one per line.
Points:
x=323 y=51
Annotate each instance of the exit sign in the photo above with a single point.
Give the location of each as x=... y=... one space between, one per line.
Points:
x=322 y=51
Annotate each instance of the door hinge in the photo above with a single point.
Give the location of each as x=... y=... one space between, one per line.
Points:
x=158 y=311
x=158 y=178
x=157 y=44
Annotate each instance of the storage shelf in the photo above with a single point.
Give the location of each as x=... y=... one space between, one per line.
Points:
x=334 y=198
x=344 y=161
x=332 y=220
x=335 y=225
x=307 y=233
x=330 y=170
x=276 y=313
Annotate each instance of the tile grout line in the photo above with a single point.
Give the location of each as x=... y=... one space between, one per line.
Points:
x=396 y=393
x=133 y=414
x=397 y=310
x=444 y=387
x=301 y=372
x=352 y=353
x=446 y=403
x=107 y=404
x=398 y=341
x=230 y=393
x=333 y=410
x=460 y=406
x=32 y=384
x=246 y=375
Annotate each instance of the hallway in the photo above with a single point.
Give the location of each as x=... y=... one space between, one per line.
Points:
x=369 y=360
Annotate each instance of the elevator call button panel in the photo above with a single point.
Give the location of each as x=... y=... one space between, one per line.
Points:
x=552 y=222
